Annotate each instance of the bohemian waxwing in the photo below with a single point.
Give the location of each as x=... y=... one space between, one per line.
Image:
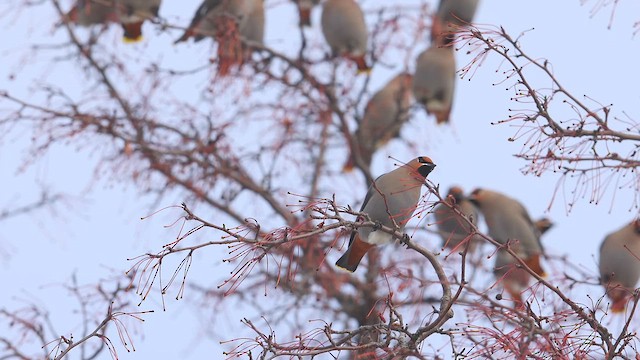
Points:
x=92 y=12
x=451 y=15
x=390 y=201
x=133 y=13
x=620 y=264
x=384 y=115
x=304 y=9
x=434 y=81
x=345 y=30
x=229 y=22
x=452 y=228
x=508 y=220
x=506 y=269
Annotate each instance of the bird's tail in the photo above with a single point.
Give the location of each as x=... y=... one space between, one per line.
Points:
x=515 y=293
x=533 y=262
x=351 y=259
x=442 y=116
x=305 y=17
x=618 y=305
x=230 y=52
x=349 y=164
x=363 y=67
x=132 y=31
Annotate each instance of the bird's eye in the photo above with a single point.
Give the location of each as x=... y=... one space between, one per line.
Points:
x=423 y=160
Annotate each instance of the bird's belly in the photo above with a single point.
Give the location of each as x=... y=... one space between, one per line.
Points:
x=379 y=238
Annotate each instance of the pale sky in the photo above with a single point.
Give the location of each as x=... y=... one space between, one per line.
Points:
x=98 y=227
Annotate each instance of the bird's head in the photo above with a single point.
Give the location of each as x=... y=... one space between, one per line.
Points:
x=476 y=196
x=422 y=165
x=456 y=193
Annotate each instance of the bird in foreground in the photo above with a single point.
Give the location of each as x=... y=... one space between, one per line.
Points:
x=390 y=201
x=229 y=22
x=133 y=14
x=620 y=264
x=452 y=228
x=345 y=31
x=383 y=118
x=304 y=10
x=434 y=81
x=451 y=16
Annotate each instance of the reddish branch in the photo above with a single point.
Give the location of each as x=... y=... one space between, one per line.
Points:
x=592 y=145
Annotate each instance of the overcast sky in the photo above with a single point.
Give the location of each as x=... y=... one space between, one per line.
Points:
x=98 y=227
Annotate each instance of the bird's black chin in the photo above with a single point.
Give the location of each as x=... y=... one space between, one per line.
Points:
x=424 y=170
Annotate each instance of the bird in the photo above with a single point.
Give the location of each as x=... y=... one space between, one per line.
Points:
x=390 y=201
x=229 y=22
x=434 y=81
x=133 y=14
x=304 y=10
x=508 y=221
x=514 y=278
x=452 y=228
x=620 y=264
x=345 y=31
x=450 y=16
x=87 y=13
x=383 y=118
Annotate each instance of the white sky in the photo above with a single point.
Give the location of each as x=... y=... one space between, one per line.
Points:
x=99 y=228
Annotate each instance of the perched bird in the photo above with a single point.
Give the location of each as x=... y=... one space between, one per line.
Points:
x=514 y=278
x=345 y=31
x=384 y=115
x=452 y=228
x=88 y=12
x=620 y=264
x=304 y=9
x=133 y=13
x=390 y=201
x=507 y=220
x=229 y=22
x=434 y=81
x=451 y=15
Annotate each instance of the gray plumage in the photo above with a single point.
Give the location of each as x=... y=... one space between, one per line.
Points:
x=452 y=228
x=345 y=30
x=620 y=263
x=390 y=201
x=383 y=118
x=434 y=81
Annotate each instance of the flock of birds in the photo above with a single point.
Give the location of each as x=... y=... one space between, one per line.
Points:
x=393 y=197
x=238 y=28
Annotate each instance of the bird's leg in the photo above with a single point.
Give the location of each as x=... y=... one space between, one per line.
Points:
x=377 y=225
x=406 y=239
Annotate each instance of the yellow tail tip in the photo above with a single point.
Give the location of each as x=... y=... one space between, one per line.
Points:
x=129 y=40
x=618 y=306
